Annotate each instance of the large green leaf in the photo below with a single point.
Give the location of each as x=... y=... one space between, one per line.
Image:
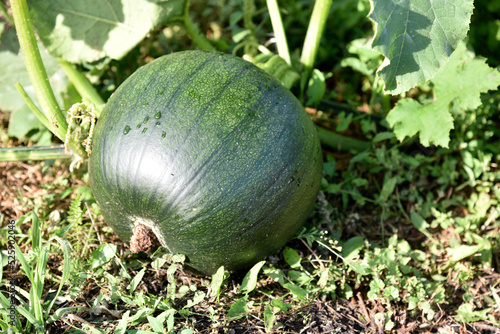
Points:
x=22 y=120
x=417 y=38
x=461 y=81
x=88 y=30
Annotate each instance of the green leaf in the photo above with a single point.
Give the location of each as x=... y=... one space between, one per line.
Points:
x=316 y=89
x=217 y=280
x=186 y=331
x=198 y=298
x=280 y=304
x=66 y=247
x=170 y=321
x=250 y=280
x=388 y=187
x=466 y=313
x=156 y=324
x=418 y=221
x=417 y=37
x=392 y=292
x=361 y=267
x=22 y=120
x=463 y=251
x=382 y=136
x=122 y=324
x=291 y=257
x=277 y=275
x=277 y=67
x=238 y=309
x=352 y=247
x=297 y=291
x=25 y=313
x=140 y=315
x=103 y=254
x=75 y=211
x=460 y=81
x=136 y=280
x=269 y=317
x=88 y=30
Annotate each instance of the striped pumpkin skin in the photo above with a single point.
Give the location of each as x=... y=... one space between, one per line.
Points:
x=212 y=153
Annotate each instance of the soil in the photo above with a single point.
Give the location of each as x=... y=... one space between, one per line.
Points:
x=24 y=188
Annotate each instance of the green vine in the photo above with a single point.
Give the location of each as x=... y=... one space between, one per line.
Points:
x=36 y=70
x=311 y=43
x=279 y=31
x=193 y=30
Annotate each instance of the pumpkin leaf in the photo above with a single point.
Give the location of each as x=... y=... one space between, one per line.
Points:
x=417 y=38
x=88 y=30
x=460 y=82
x=22 y=120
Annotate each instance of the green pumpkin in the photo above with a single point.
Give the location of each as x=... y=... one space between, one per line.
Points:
x=210 y=152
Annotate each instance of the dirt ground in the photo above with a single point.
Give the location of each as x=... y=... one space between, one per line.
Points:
x=24 y=186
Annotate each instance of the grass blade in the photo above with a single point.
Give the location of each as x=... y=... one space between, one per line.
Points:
x=31 y=319
x=66 y=248
x=40 y=269
x=35 y=229
x=24 y=263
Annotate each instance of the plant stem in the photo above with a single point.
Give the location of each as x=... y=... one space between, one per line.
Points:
x=279 y=31
x=36 y=70
x=313 y=37
x=193 y=30
x=340 y=142
x=5 y=13
x=39 y=114
x=83 y=86
x=33 y=153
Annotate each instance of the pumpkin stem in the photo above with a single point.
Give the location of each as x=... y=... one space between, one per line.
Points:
x=143 y=239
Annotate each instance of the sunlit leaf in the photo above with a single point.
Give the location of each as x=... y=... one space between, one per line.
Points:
x=417 y=37
x=461 y=82
x=88 y=30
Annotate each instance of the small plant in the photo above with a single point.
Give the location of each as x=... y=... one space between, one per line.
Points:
x=405 y=230
x=31 y=303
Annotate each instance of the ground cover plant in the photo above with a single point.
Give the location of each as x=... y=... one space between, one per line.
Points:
x=404 y=235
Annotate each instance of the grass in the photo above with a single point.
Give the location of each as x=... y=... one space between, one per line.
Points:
x=398 y=232
x=402 y=239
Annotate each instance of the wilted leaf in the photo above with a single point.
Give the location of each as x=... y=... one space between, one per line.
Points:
x=417 y=37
